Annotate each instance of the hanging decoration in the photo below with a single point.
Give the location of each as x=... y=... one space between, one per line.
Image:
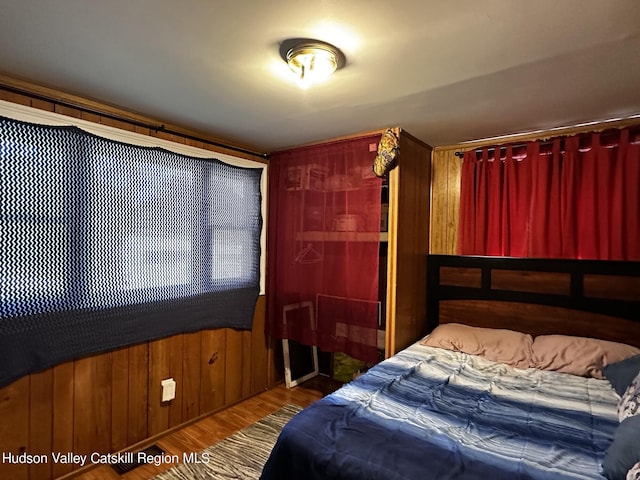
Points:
x=387 y=157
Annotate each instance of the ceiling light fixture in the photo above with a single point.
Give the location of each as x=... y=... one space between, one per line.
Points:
x=311 y=60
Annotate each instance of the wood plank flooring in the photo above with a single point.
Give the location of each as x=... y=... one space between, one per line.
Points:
x=213 y=428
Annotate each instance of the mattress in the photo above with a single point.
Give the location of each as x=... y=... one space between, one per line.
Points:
x=430 y=413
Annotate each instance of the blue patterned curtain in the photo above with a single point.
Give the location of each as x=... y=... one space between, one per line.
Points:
x=105 y=244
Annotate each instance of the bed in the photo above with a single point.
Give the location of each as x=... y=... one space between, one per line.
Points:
x=509 y=384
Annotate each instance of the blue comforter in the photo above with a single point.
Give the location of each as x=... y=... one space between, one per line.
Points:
x=429 y=413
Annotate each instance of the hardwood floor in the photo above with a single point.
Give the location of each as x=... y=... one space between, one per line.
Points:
x=199 y=435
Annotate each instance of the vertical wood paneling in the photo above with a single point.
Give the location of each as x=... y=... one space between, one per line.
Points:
x=14 y=426
x=276 y=362
x=99 y=403
x=63 y=376
x=40 y=421
x=159 y=366
x=138 y=375
x=212 y=362
x=176 y=349
x=439 y=203
x=119 y=399
x=454 y=171
x=233 y=366
x=445 y=195
x=247 y=359
x=259 y=349
x=92 y=404
x=191 y=366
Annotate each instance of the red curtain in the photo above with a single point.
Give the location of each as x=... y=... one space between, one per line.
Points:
x=323 y=247
x=570 y=197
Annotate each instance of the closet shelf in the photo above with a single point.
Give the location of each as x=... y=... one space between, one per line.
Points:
x=321 y=236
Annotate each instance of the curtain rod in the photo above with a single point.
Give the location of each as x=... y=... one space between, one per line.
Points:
x=547 y=141
x=491 y=149
x=137 y=123
x=544 y=140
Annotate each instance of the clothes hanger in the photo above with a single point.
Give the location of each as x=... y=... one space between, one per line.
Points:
x=308 y=255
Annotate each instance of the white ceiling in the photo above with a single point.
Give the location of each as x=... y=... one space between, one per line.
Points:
x=446 y=71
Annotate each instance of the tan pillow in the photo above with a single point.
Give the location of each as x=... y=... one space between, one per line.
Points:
x=581 y=356
x=499 y=345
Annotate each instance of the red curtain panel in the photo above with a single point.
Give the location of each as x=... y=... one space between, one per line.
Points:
x=569 y=197
x=323 y=247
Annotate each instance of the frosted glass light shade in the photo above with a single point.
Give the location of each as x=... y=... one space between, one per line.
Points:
x=311 y=61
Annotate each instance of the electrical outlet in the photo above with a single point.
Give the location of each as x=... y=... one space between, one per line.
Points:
x=168 y=389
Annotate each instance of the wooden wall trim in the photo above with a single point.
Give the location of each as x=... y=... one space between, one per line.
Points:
x=392 y=263
x=39 y=96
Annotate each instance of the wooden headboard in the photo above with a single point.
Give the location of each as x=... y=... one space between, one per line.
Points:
x=588 y=298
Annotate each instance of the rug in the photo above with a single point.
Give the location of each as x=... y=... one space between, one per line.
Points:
x=238 y=457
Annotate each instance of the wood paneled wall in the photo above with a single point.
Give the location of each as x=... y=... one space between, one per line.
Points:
x=445 y=201
x=446 y=173
x=106 y=402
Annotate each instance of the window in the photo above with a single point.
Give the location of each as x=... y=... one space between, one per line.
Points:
x=118 y=243
x=32 y=213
